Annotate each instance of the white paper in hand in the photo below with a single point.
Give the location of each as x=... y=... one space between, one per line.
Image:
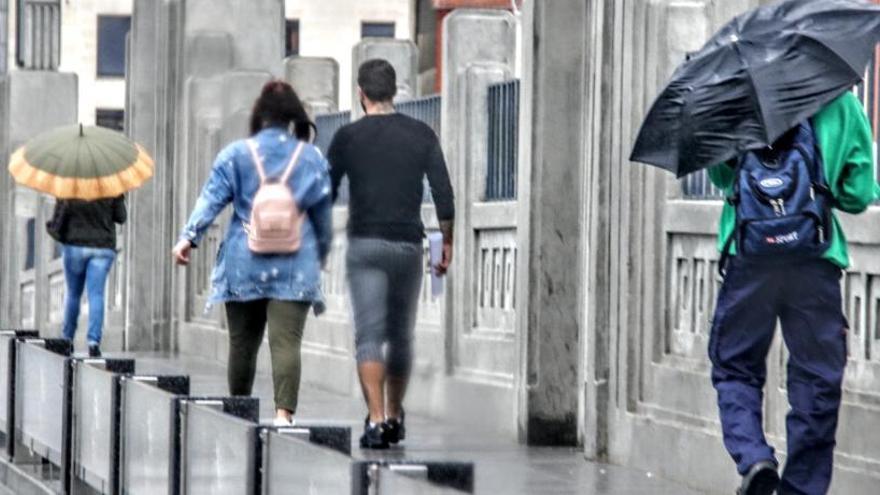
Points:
x=435 y=247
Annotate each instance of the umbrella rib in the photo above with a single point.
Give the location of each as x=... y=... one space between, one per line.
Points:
x=94 y=164
x=123 y=154
x=756 y=98
x=39 y=160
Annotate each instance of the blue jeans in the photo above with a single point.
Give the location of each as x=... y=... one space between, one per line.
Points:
x=805 y=297
x=86 y=268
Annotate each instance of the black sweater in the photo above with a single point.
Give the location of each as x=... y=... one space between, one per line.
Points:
x=90 y=223
x=386 y=158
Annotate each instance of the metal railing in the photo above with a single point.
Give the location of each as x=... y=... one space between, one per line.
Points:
x=698 y=186
x=118 y=433
x=503 y=140
x=95 y=423
x=150 y=450
x=219 y=450
x=40 y=380
x=327 y=125
x=387 y=477
x=290 y=460
x=7 y=349
x=425 y=109
x=393 y=480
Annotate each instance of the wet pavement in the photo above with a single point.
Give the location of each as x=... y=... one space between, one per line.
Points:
x=502 y=466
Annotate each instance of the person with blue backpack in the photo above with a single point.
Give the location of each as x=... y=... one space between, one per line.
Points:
x=783 y=252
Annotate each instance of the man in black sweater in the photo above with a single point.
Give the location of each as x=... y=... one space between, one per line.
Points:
x=386 y=157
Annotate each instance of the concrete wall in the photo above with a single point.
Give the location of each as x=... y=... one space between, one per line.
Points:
x=32 y=102
x=316 y=81
x=649 y=285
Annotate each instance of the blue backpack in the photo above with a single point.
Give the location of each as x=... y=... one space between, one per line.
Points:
x=782 y=201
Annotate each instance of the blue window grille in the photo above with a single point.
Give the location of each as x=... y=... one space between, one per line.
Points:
x=503 y=141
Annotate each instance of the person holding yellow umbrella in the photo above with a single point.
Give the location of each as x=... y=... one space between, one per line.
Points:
x=88 y=170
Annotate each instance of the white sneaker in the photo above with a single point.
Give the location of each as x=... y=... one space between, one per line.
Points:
x=283 y=423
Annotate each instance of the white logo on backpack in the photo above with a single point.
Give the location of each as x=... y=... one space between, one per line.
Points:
x=276 y=221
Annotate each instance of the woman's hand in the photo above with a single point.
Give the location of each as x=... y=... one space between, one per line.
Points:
x=181 y=252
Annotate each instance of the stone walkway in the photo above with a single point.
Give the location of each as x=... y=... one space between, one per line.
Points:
x=502 y=466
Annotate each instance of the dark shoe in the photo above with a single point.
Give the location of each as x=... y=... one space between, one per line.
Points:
x=395 y=429
x=94 y=351
x=762 y=479
x=374 y=436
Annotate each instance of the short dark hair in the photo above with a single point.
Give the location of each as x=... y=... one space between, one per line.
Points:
x=279 y=105
x=377 y=80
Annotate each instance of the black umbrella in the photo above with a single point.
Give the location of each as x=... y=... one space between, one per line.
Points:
x=759 y=76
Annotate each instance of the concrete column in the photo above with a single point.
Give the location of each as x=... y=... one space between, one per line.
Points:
x=316 y=81
x=552 y=227
x=402 y=54
x=478 y=50
x=151 y=102
x=173 y=44
x=32 y=102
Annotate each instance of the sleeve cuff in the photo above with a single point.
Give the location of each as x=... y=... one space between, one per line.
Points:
x=191 y=236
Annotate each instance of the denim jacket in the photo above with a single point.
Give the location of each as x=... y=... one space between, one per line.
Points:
x=239 y=274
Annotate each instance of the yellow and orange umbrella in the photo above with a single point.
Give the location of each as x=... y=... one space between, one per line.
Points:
x=77 y=162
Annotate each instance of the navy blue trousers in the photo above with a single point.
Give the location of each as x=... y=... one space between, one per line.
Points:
x=805 y=298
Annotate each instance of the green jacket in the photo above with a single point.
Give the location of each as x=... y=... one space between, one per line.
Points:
x=847 y=146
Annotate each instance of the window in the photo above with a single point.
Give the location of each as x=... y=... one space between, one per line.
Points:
x=112 y=30
x=377 y=30
x=291 y=38
x=110 y=118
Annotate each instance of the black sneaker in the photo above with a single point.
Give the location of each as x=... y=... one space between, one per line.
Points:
x=762 y=479
x=94 y=351
x=395 y=429
x=374 y=436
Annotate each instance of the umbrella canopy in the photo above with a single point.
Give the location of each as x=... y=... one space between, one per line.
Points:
x=759 y=76
x=79 y=162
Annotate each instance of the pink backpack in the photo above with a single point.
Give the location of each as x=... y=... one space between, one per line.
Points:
x=276 y=221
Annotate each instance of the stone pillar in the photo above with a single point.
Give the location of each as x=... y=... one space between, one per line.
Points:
x=402 y=54
x=181 y=49
x=151 y=81
x=4 y=36
x=256 y=26
x=478 y=51
x=552 y=227
x=316 y=81
x=32 y=102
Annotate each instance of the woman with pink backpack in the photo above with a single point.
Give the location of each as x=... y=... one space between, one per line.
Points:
x=269 y=264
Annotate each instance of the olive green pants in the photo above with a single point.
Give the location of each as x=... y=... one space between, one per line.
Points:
x=247 y=325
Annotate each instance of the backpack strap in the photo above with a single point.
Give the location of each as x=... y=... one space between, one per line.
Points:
x=258 y=163
x=292 y=164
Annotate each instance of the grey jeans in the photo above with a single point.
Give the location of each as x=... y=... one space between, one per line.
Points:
x=385 y=280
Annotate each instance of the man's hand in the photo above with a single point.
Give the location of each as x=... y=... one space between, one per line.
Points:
x=181 y=252
x=446 y=228
x=441 y=268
